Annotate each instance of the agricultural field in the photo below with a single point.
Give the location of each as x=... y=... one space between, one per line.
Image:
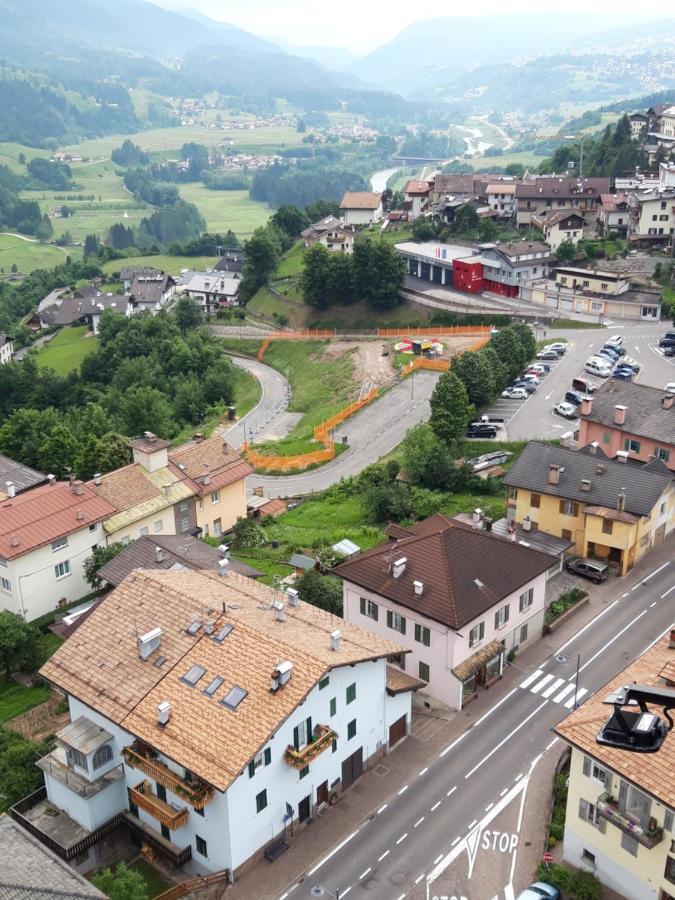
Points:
x=65 y=352
x=225 y=210
x=526 y=158
x=172 y=265
x=30 y=254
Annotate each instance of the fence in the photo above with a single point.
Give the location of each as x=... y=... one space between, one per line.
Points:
x=436 y=331
x=199 y=883
x=421 y=362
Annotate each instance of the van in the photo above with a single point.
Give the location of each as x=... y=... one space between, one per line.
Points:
x=583 y=385
x=598 y=368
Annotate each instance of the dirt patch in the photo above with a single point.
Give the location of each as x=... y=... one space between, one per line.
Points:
x=42 y=720
x=369 y=363
x=454 y=345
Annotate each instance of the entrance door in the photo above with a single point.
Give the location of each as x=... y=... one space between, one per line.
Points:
x=352 y=768
x=303 y=809
x=322 y=794
x=659 y=534
x=396 y=731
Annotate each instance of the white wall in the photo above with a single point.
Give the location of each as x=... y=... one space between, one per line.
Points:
x=606 y=868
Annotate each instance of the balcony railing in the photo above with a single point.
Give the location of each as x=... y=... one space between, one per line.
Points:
x=197 y=793
x=322 y=738
x=142 y=796
x=175 y=854
x=609 y=810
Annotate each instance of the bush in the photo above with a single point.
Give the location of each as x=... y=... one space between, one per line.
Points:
x=554 y=874
x=249 y=535
x=584 y=886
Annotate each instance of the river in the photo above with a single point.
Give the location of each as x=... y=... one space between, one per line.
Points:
x=378 y=181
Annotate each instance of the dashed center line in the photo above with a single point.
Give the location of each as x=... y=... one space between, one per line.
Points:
x=386 y=853
x=419 y=878
x=346 y=891
x=418 y=822
x=503 y=792
x=382 y=808
x=472 y=824
x=438 y=859
x=424 y=770
x=456 y=841
x=403 y=790
x=436 y=805
x=489 y=807
x=518 y=777
x=402 y=838
x=363 y=874
x=451 y=791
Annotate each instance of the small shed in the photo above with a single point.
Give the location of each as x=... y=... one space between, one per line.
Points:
x=345 y=547
x=302 y=563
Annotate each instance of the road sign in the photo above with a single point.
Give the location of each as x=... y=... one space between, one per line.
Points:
x=548 y=857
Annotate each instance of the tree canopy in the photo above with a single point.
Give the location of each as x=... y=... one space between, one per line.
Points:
x=451 y=411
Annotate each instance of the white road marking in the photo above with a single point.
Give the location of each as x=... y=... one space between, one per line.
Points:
x=580 y=694
x=363 y=874
x=402 y=897
x=490 y=711
x=652 y=605
x=655 y=572
x=624 y=595
x=456 y=841
x=565 y=691
x=504 y=740
x=551 y=689
x=540 y=684
x=518 y=776
x=435 y=806
x=533 y=677
x=451 y=791
x=418 y=822
x=382 y=808
x=454 y=743
x=550 y=744
x=386 y=853
x=503 y=792
x=587 y=625
x=489 y=807
x=403 y=790
x=335 y=850
x=424 y=770
x=509 y=893
x=475 y=822
x=346 y=891
x=402 y=838
x=615 y=638
x=438 y=859
x=419 y=878
x=548 y=396
x=667 y=592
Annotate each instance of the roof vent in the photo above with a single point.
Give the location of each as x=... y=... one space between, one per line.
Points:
x=419 y=587
x=398 y=566
x=279 y=611
x=585 y=484
x=77 y=487
x=479 y=584
x=79 y=515
x=335 y=638
x=281 y=675
x=14 y=540
x=667 y=401
x=223 y=566
x=206 y=479
x=527 y=524
x=477 y=517
x=149 y=642
x=11 y=488
x=163 y=713
x=97 y=478
x=621 y=456
x=293 y=596
x=599 y=469
x=150 y=436
x=159 y=554
x=51 y=479
x=621 y=502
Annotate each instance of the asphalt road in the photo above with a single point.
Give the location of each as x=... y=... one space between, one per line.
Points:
x=441 y=824
x=275 y=393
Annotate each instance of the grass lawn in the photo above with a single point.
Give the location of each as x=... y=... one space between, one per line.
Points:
x=65 y=352
x=245 y=346
x=268 y=561
x=267 y=306
x=29 y=255
x=225 y=210
x=50 y=643
x=16 y=699
x=172 y=265
x=526 y=158
x=327 y=519
x=291 y=262
x=155 y=883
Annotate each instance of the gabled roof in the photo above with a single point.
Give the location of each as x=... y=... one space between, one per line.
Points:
x=500 y=187
x=22 y=477
x=100 y=664
x=149 y=289
x=415 y=186
x=562 y=188
x=642 y=488
x=558 y=217
x=317 y=228
x=645 y=415
x=360 y=200
x=464 y=572
x=46 y=513
x=211 y=464
x=232 y=261
x=214 y=283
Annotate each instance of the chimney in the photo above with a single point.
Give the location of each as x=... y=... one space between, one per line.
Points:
x=566 y=439
x=621 y=501
x=150 y=437
x=149 y=642
x=279 y=610
x=585 y=484
x=77 y=487
x=553 y=474
x=399 y=566
x=224 y=550
x=593 y=448
x=198 y=436
x=667 y=401
x=159 y=554
x=477 y=517
x=14 y=541
x=599 y=469
x=97 y=479
x=293 y=597
x=527 y=524
x=621 y=456
x=79 y=515
x=223 y=566
x=419 y=587
x=163 y=713
x=11 y=488
x=206 y=479
x=335 y=637
x=51 y=479
x=620 y=414
x=586 y=406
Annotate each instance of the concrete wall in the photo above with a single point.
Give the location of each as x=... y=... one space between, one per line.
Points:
x=612 y=438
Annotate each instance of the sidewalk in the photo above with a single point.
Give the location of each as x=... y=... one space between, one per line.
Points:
x=311 y=843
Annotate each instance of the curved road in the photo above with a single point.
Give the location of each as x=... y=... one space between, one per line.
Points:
x=275 y=393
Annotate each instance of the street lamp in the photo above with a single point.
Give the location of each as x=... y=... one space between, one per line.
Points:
x=562 y=658
x=319 y=891
x=581 y=139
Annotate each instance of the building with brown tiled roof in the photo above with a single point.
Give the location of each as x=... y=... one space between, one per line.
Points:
x=361 y=207
x=198 y=705
x=620 y=804
x=46 y=534
x=219 y=473
x=459 y=598
x=417 y=195
x=560 y=225
x=555 y=192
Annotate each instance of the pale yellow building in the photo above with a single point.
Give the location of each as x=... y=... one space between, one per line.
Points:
x=620 y=820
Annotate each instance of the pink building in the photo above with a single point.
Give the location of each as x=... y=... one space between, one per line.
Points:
x=459 y=599
x=632 y=418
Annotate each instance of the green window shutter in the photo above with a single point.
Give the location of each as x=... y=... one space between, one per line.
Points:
x=268 y=756
x=251 y=769
x=309 y=729
x=376 y=608
x=333 y=706
x=402 y=624
x=363 y=605
x=296 y=738
x=506 y=614
x=418 y=632
x=390 y=619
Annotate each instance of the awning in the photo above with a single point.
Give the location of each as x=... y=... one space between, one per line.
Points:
x=398 y=681
x=478 y=661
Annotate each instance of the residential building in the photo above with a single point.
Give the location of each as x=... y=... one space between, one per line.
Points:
x=620 y=818
x=219 y=474
x=560 y=225
x=152 y=495
x=46 y=534
x=556 y=192
x=210 y=715
x=447 y=188
x=416 y=194
x=638 y=124
x=84 y=306
x=609 y=509
x=231 y=261
x=16 y=478
x=150 y=292
x=212 y=290
x=331 y=233
x=613 y=215
x=652 y=220
x=6 y=348
x=361 y=207
x=501 y=197
x=509 y=267
x=633 y=418
x=128 y=273
x=456 y=597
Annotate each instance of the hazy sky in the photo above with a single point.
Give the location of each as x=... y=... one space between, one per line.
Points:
x=361 y=25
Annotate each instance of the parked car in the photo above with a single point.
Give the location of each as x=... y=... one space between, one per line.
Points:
x=600 y=368
x=622 y=375
x=603 y=354
x=573 y=397
x=668 y=339
x=630 y=363
x=559 y=347
x=480 y=430
x=514 y=393
x=588 y=568
x=669 y=350
x=547 y=354
x=670 y=387
x=539 y=368
x=615 y=339
x=565 y=409
x=539 y=891
x=528 y=386
x=609 y=351
x=583 y=385
x=616 y=348
x=489 y=459
x=534 y=377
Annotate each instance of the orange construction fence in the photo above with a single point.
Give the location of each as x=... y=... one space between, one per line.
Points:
x=421 y=362
x=321 y=431
x=261 y=349
x=436 y=330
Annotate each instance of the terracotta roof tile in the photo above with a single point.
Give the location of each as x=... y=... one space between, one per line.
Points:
x=360 y=200
x=213 y=458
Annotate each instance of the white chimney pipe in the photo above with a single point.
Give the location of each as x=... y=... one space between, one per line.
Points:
x=335 y=637
x=11 y=489
x=163 y=713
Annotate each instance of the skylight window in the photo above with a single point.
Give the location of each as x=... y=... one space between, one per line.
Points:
x=213 y=686
x=234 y=697
x=193 y=674
x=223 y=633
x=194 y=628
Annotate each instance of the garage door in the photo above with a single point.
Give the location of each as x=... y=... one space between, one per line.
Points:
x=352 y=768
x=397 y=731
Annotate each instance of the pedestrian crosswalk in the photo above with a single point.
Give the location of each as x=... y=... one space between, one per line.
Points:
x=558 y=690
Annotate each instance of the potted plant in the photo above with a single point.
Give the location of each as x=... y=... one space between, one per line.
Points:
x=334 y=797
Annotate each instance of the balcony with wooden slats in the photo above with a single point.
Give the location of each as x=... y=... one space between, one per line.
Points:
x=143 y=797
x=196 y=792
x=321 y=740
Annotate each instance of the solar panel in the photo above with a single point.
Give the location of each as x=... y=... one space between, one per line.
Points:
x=213 y=686
x=193 y=674
x=223 y=633
x=234 y=697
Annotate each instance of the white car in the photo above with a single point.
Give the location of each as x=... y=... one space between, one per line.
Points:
x=566 y=410
x=598 y=367
x=615 y=339
x=532 y=377
x=514 y=393
x=537 y=369
x=670 y=387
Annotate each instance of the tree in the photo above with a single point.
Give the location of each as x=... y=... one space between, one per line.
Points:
x=466 y=219
x=451 y=411
x=422 y=229
x=315 y=265
x=188 y=314
x=566 y=252
x=324 y=591
x=58 y=452
x=147 y=409
x=122 y=884
x=290 y=219
x=487 y=230
x=388 y=502
x=188 y=401
x=94 y=563
x=379 y=273
x=340 y=279
x=474 y=372
x=249 y=535
x=19 y=776
x=426 y=459
x=262 y=256
x=113 y=452
x=509 y=350
x=91 y=245
x=19 y=643
x=496 y=366
x=526 y=338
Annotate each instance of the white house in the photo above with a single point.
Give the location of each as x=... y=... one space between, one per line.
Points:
x=208 y=714
x=213 y=290
x=46 y=534
x=501 y=197
x=417 y=195
x=332 y=233
x=6 y=348
x=560 y=226
x=361 y=208
x=456 y=597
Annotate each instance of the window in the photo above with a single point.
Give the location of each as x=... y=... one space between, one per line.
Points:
x=261 y=801
x=213 y=686
x=234 y=697
x=351 y=693
x=566 y=534
x=201 y=504
x=304 y=771
x=607 y=526
x=629 y=843
x=586 y=283
x=75 y=758
x=396 y=621
x=606 y=438
x=569 y=508
x=670 y=869
x=423 y=635
x=664 y=204
x=351 y=729
x=423 y=671
x=523 y=634
x=215 y=497
x=161 y=792
x=201 y=845
x=603 y=287
x=262 y=758
x=144 y=530
x=476 y=634
x=333 y=706
x=502 y=616
x=526 y=599
x=333 y=746
x=588 y=857
x=631 y=445
x=166 y=834
x=102 y=756
x=92 y=527
x=592 y=770
x=158 y=526
x=6 y=585
x=59 y=544
x=535 y=500
x=324 y=683
x=369 y=608
x=513 y=492
x=669 y=822
x=193 y=674
x=663 y=454
x=62 y=569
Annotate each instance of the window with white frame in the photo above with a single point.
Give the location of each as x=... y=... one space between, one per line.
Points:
x=476 y=634
x=6 y=585
x=526 y=599
x=369 y=608
x=143 y=531
x=215 y=497
x=502 y=616
x=59 y=544
x=592 y=770
x=62 y=569
x=423 y=634
x=158 y=526
x=102 y=756
x=396 y=621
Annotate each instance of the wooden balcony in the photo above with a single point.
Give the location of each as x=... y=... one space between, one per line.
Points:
x=197 y=793
x=321 y=740
x=143 y=798
x=610 y=811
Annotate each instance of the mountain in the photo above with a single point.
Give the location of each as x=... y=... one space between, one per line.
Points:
x=331 y=57
x=639 y=35
x=410 y=61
